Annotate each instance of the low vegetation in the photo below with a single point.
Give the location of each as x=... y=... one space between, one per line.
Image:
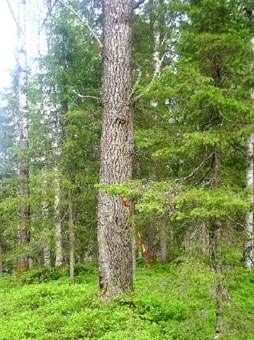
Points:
x=173 y=301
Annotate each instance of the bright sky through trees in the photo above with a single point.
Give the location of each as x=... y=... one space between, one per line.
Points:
x=8 y=43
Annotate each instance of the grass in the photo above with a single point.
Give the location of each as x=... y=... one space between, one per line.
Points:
x=170 y=302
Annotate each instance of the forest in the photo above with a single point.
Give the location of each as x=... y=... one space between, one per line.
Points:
x=127 y=171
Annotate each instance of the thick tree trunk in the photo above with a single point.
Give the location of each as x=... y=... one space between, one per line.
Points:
x=114 y=229
x=23 y=232
x=249 y=230
x=71 y=238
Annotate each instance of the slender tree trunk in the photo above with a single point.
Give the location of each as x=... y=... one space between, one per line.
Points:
x=134 y=264
x=214 y=240
x=45 y=220
x=114 y=229
x=163 y=242
x=46 y=256
x=23 y=232
x=152 y=238
x=58 y=223
x=1 y=257
x=71 y=238
x=248 y=246
x=157 y=23
x=215 y=253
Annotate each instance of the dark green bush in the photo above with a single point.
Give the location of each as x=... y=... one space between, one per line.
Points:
x=39 y=275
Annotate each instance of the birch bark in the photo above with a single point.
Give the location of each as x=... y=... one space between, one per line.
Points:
x=249 y=224
x=23 y=232
x=248 y=246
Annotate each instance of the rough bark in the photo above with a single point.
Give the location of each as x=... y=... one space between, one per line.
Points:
x=23 y=231
x=249 y=226
x=114 y=229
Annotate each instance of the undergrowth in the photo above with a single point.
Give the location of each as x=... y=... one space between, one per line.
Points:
x=173 y=301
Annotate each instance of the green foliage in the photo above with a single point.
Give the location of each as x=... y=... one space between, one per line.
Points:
x=208 y=204
x=170 y=302
x=40 y=275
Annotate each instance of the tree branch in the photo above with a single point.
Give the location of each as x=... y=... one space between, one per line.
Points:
x=12 y=13
x=47 y=15
x=137 y=4
x=83 y=21
x=136 y=83
x=155 y=76
x=81 y=96
x=196 y=169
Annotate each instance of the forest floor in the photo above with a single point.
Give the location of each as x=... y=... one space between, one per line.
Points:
x=173 y=301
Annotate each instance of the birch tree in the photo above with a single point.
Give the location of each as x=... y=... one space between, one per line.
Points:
x=249 y=226
x=23 y=232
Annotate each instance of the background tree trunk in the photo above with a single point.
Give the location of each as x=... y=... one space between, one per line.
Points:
x=1 y=258
x=57 y=188
x=58 y=224
x=23 y=232
x=71 y=238
x=248 y=246
x=215 y=250
x=114 y=229
x=45 y=222
x=163 y=241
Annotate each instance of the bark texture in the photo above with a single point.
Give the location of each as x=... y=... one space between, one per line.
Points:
x=248 y=246
x=23 y=231
x=114 y=229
